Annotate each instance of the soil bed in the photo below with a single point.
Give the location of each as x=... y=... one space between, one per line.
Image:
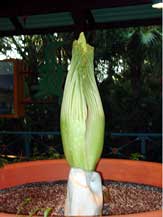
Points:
x=119 y=198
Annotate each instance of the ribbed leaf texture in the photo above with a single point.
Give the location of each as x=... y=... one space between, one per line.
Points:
x=82 y=116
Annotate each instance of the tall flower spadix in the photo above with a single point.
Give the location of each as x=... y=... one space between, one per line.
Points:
x=82 y=116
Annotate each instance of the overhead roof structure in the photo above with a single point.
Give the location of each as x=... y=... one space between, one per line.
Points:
x=46 y=16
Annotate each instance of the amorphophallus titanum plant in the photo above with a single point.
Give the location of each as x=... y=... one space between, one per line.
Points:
x=82 y=130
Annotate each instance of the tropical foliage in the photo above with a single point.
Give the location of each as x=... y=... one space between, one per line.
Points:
x=127 y=67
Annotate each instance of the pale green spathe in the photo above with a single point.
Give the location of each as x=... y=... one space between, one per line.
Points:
x=82 y=116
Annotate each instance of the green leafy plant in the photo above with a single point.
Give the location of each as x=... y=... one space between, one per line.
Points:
x=46 y=211
x=51 y=153
x=51 y=73
x=22 y=205
x=136 y=156
x=3 y=162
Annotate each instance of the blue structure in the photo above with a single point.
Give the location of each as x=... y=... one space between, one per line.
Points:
x=141 y=138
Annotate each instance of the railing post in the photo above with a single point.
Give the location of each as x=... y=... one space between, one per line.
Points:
x=143 y=146
x=27 y=145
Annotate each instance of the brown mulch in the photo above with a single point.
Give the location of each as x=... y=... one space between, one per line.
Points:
x=119 y=198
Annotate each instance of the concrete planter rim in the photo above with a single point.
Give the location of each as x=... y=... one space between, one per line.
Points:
x=140 y=172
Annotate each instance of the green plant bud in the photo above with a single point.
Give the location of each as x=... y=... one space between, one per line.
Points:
x=82 y=115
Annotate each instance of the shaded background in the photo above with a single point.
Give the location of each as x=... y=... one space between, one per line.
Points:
x=128 y=73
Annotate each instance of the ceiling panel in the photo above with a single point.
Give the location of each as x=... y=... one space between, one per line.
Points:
x=47 y=20
x=94 y=14
x=125 y=13
x=5 y=24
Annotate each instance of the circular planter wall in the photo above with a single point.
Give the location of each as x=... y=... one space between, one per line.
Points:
x=139 y=172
